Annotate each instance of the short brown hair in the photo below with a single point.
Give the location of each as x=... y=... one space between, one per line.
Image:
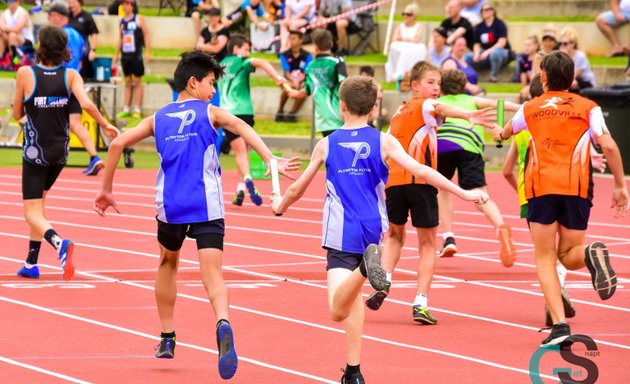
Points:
x=359 y=94
x=52 y=48
x=535 y=86
x=237 y=41
x=453 y=82
x=560 y=70
x=323 y=39
x=420 y=68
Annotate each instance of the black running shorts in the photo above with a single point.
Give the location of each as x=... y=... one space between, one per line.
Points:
x=418 y=199
x=133 y=66
x=341 y=259
x=571 y=212
x=36 y=179
x=208 y=234
x=470 y=168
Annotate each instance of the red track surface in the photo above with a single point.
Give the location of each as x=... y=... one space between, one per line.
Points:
x=102 y=326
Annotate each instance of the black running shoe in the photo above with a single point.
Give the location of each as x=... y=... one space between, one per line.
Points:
x=569 y=309
x=238 y=198
x=166 y=348
x=603 y=276
x=374 y=271
x=449 y=249
x=355 y=378
x=375 y=300
x=559 y=333
x=228 y=361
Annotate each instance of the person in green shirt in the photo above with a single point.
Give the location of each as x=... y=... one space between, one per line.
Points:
x=460 y=148
x=236 y=98
x=323 y=76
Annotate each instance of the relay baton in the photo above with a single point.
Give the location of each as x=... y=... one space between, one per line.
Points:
x=275 y=179
x=500 y=118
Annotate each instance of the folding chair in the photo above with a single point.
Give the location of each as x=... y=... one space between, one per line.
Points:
x=367 y=25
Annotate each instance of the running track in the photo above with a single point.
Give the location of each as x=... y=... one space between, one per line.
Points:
x=102 y=326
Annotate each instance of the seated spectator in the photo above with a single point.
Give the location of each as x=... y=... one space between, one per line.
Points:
x=584 y=76
x=471 y=10
x=456 y=61
x=379 y=113
x=293 y=62
x=297 y=13
x=275 y=9
x=439 y=51
x=406 y=48
x=524 y=69
x=492 y=48
x=16 y=31
x=195 y=9
x=341 y=28
x=457 y=26
x=214 y=38
x=253 y=9
x=83 y=22
x=549 y=40
x=618 y=15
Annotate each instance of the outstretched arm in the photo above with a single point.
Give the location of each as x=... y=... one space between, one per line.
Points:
x=268 y=68
x=78 y=90
x=508 y=166
x=485 y=117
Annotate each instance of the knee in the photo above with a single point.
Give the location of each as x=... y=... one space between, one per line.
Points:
x=337 y=316
x=397 y=235
x=601 y=21
x=169 y=260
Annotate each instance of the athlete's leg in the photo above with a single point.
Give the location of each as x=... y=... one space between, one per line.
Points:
x=210 y=262
x=426 y=263
x=345 y=304
x=166 y=287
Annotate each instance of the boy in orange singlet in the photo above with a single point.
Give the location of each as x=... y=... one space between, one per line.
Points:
x=559 y=185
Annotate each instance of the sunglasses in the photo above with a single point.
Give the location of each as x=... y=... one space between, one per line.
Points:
x=408 y=14
x=487 y=9
x=565 y=43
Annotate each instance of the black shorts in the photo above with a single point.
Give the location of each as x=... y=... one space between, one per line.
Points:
x=341 y=259
x=419 y=199
x=208 y=234
x=36 y=179
x=470 y=168
x=228 y=136
x=132 y=66
x=74 y=106
x=350 y=29
x=571 y=212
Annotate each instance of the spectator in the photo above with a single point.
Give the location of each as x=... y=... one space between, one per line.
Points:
x=275 y=9
x=471 y=10
x=134 y=39
x=340 y=28
x=378 y=114
x=84 y=23
x=492 y=48
x=456 y=61
x=294 y=62
x=439 y=51
x=584 y=76
x=297 y=13
x=457 y=26
x=406 y=48
x=549 y=40
x=115 y=8
x=524 y=70
x=16 y=30
x=214 y=39
x=618 y=15
x=253 y=9
x=195 y=9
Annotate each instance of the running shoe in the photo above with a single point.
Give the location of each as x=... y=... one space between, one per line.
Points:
x=253 y=192
x=559 y=333
x=128 y=159
x=238 y=198
x=422 y=315
x=166 y=348
x=374 y=271
x=603 y=276
x=355 y=378
x=65 y=256
x=31 y=273
x=508 y=251
x=228 y=361
x=375 y=300
x=449 y=249
x=569 y=309
x=96 y=164
x=123 y=115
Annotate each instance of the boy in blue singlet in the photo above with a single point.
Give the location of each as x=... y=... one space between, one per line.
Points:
x=355 y=157
x=190 y=203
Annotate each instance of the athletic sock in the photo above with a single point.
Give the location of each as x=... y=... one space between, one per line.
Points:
x=240 y=187
x=388 y=276
x=222 y=321
x=33 y=252
x=247 y=178
x=562 y=273
x=53 y=238
x=421 y=300
x=446 y=235
x=362 y=268
x=167 y=334
x=352 y=369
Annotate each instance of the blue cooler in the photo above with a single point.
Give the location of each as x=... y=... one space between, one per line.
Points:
x=102 y=69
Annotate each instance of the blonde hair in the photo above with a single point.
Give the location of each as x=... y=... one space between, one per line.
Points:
x=412 y=8
x=571 y=33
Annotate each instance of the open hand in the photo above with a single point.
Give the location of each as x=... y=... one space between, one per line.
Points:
x=104 y=200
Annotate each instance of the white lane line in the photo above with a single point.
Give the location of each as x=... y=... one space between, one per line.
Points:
x=42 y=370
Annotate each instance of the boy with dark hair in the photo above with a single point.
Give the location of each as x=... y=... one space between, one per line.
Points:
x=354 y=223
x=323 y=77
x=236 y=98
x=559 y=185
x=294 y=62
x=43 y=94
x=190 y=203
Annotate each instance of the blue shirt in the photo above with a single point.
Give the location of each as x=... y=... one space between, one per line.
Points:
x=76 y=45
x=355 y=214
x=188 y=185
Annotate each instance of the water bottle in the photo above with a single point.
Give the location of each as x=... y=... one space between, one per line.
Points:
x=100 y=73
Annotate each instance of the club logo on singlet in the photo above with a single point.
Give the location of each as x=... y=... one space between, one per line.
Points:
x=50 y=101
x=361 y=151
x=187 y=117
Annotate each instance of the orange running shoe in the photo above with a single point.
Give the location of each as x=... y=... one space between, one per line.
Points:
x=508 y=251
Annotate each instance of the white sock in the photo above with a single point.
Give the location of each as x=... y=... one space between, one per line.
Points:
x=446 y=235
x=421 y=300
x=247 y=177
x=137 y=110
x=388 y=276
x=29 y=266
x=562 y=273
x=240 y=187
